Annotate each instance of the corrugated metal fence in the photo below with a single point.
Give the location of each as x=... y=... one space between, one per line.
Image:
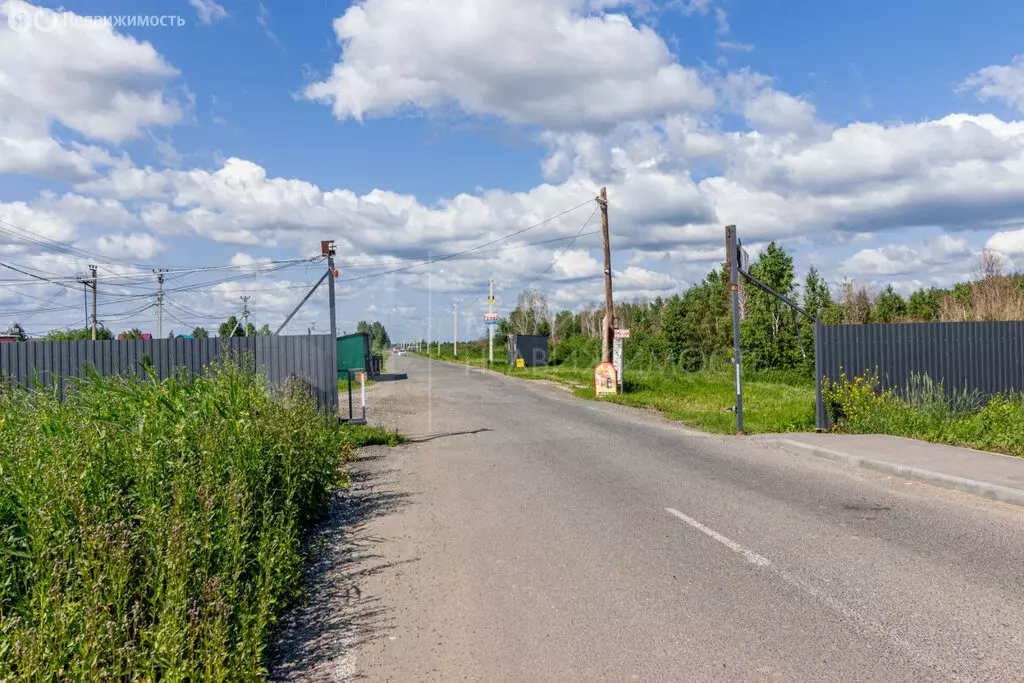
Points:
x=983 y=356
x=310 y=358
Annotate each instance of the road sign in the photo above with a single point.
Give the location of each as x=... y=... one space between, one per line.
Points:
x=744 y=260
x=605 y=383
x=622 y=334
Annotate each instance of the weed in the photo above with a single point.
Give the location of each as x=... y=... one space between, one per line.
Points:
x=152 y=529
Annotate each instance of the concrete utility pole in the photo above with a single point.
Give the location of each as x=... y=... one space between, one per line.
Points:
x=160 y=304
x=609 y=310
x=490 y=327
x=332 y=275
x=245 y=315
x=455 y=312
x=95 y=280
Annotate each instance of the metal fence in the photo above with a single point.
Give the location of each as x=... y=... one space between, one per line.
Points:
x=983 y=356
x=310 y=358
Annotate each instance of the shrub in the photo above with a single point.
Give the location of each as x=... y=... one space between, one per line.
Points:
x=152 y=529
x=927 y=412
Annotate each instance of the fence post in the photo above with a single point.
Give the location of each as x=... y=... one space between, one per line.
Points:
x=820 y=418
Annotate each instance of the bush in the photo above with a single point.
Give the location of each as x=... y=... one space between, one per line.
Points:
x=152 y=529
x=927 y=412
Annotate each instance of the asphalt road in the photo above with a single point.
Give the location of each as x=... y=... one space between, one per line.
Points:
x=526 y=535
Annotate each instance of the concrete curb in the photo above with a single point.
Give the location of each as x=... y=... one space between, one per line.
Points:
x=1003 y=494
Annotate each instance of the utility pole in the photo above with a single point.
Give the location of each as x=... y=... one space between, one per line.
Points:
x=732 y=260
x=159 y=303
x=490 y=326
x=609 y=311
x=455 y=341
x=245 y=315
x=329 y=249
x=92 y=272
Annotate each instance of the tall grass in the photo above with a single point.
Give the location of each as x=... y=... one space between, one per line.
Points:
x=927 y=411
x=152 y=529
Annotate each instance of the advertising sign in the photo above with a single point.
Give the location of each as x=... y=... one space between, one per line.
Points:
x=622 y=334
x=605 y=381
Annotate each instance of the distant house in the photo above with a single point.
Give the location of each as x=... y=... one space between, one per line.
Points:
x=7 y=338
x=145 y=335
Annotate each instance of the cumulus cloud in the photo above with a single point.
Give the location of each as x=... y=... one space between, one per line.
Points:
x=999 y=82
x=136 y=245
x=559 y=64
x=83 y=75
x=901 y=259
x=1007 y=242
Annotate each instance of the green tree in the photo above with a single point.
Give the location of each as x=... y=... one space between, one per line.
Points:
x=231 y=328
x=264 y=331
x=818 y=299
x=134 y=333
x=890 y=306
x=925 y=304
x=250 y=330
x=200 y=333
x=769 y=332
x=81 y=334
x=16 y=331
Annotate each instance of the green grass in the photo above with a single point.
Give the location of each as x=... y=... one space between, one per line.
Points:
x=927 y=412
x=153 y=530
x=776 y=403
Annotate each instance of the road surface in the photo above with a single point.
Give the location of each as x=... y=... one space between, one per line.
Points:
x=526 y=535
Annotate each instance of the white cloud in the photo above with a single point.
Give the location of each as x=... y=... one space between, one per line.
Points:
x=208 y=10
x=901 y=259
x=137 y=245
x=81 y=74
x=1007 y=242
x=999 y=82
x=556 y=63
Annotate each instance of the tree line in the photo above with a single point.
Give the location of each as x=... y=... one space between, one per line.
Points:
x=693 y=329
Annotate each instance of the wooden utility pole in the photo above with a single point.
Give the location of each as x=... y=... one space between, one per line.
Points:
x=609 y=311
x=92 y=272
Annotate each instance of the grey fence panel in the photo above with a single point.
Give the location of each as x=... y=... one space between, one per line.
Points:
x=971 y=356
x=57 y=364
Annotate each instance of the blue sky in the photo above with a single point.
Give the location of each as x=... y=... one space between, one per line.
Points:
x=878 y=141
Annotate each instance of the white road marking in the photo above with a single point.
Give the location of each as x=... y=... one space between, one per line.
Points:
x=858 y=621
x=749 y=555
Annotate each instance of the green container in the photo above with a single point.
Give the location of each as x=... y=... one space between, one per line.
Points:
x=353 y=352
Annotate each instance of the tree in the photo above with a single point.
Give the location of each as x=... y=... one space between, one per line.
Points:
x=890 y=306
x=17 y=331
x=81 y=334
x=531 y=313
x=818 y=299
x=250 y=330
x=230 y=328
x=769 y=333
x=134 y=333
x=925 y=304
x=264 y=331
x=200 y=333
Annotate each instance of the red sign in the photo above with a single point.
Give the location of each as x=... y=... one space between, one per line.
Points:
x=622 y=334
x=605 y=383
x=490 y=316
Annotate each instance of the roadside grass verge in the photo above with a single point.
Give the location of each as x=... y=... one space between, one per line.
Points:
x=772 y=403
x=927 y=412
x=153 y=530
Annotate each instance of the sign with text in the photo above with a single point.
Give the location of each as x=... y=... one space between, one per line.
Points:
x=605 y=382
x=491 y=317
x=622 y=334
x=617 y=361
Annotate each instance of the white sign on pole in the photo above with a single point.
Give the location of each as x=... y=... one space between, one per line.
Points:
x=617 y=361
x=622 y=334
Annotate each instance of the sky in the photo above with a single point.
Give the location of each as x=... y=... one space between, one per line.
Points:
x=445 y=143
